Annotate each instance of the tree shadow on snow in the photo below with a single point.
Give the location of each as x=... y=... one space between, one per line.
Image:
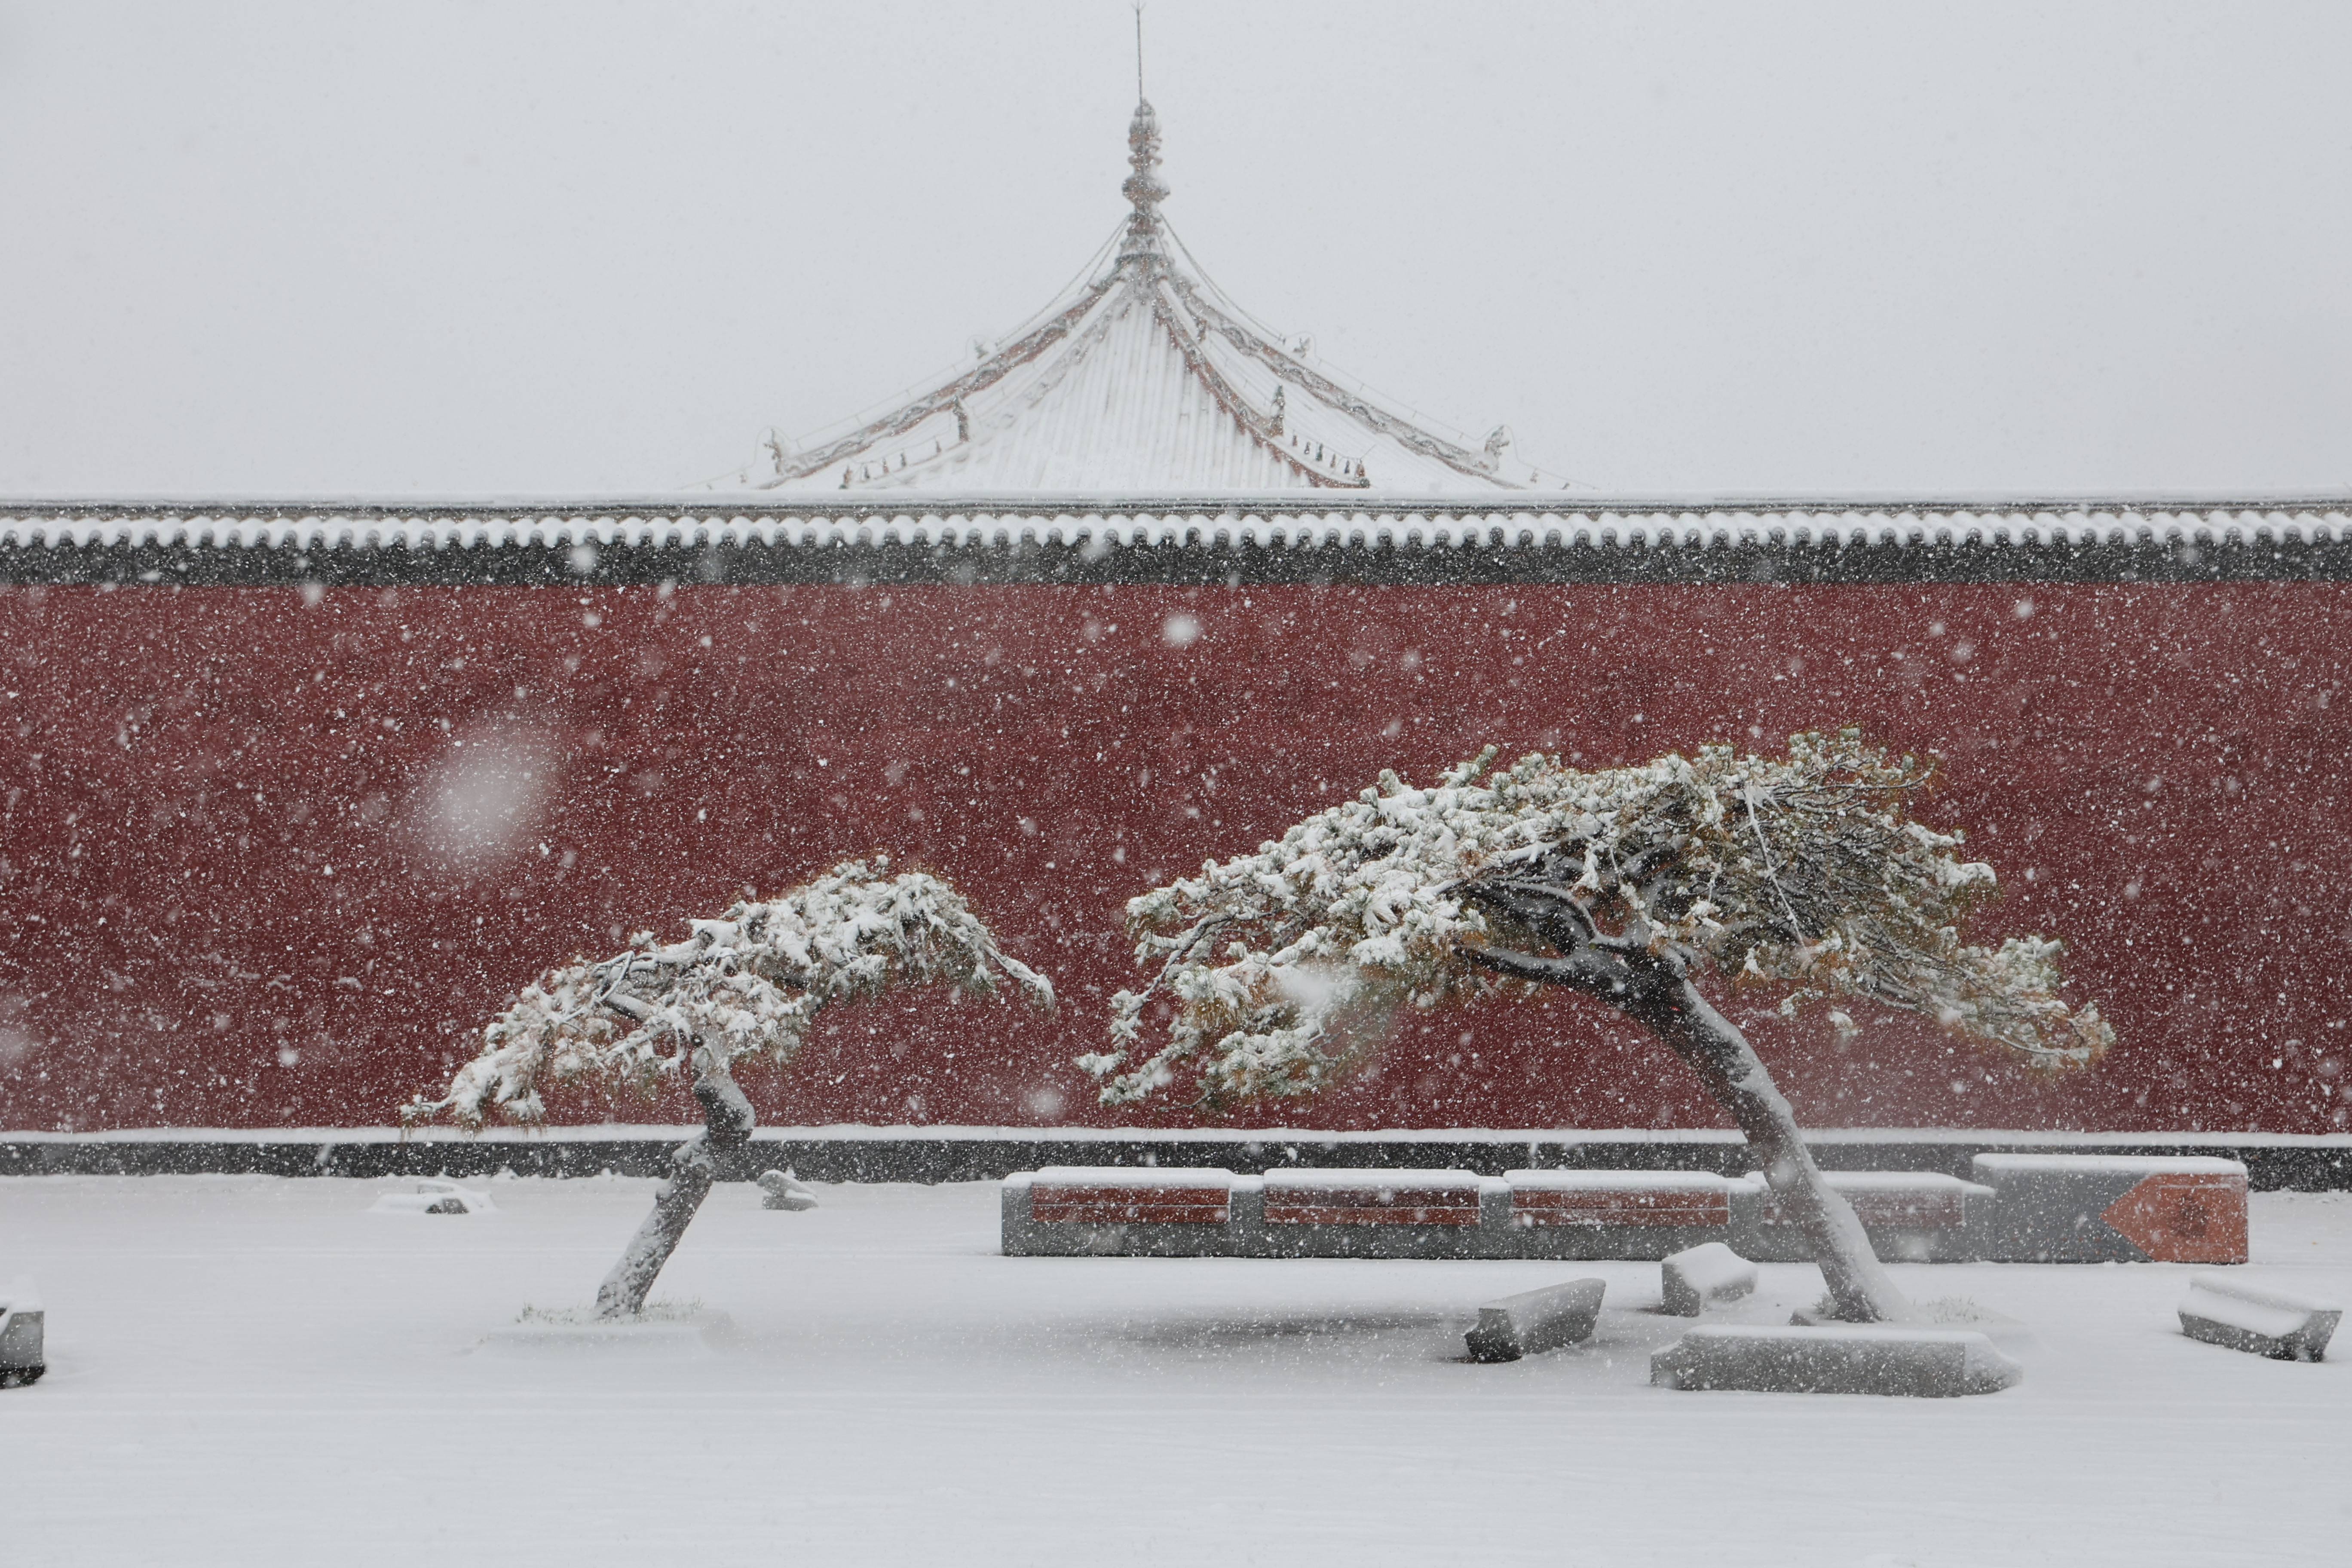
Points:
x=1422 y=1335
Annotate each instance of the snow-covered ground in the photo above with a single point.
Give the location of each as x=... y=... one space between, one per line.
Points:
x=261 y=1370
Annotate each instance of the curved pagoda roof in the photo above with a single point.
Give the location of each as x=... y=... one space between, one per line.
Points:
x=1142 y=378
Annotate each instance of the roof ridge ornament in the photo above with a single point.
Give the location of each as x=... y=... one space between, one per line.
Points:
x=1143 y=188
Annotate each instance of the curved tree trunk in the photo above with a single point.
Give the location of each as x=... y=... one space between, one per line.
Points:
x=727 y=1123
x=1654 y=991
x=1713 y=1048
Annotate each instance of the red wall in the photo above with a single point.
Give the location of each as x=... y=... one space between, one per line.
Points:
x=2157 y=771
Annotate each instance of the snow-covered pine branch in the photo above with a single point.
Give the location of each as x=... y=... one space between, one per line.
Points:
x=1281 y=970
x=745 y=985
x=1806 y=872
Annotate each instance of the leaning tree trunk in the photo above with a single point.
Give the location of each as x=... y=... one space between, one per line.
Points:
x=727 y=1123
x=1713 y=1048
x=1655 y=991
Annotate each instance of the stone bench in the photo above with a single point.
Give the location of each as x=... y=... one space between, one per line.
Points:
x=2022 y=1208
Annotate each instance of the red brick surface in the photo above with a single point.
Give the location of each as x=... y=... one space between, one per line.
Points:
x=1374 y=1205
x=1129 y=1205
x=220 y=904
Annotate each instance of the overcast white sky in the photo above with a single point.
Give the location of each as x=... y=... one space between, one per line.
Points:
x=520 y=248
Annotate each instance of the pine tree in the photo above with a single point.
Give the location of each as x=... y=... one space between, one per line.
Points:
x=742 y=988
x=1807 y=875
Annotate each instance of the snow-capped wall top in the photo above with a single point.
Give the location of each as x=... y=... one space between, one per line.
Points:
x=1299 y=538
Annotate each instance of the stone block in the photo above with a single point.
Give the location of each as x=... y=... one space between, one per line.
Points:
x=1534 y=1321
x=1593 y=1215
x=781 y=1191
x=2115 y=1208
x=2223 y=1311
x=1704 y=1276
x=434 y=1196
x=1876 y=1358
x=23 y=1326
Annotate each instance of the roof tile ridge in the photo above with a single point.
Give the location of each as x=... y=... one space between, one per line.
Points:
x=1257 y=427
x=984 y=436
x=1394 y=425
x=986 y=373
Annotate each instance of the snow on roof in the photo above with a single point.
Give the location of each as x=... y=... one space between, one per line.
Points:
x=1142 y=376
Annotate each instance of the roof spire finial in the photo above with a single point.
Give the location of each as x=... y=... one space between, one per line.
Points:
x=1143 y=188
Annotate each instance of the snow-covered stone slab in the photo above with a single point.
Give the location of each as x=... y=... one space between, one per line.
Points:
x=23 y=1324
x=781 y=1191
x=1534 y=1321
x=2221 y=1311
x=658 y=1334
x=1911 y=1216
x=1875 y=1358
x=1708 y=1275
x=434 y=1196
x=1626 y=1213
x=2115 y=1208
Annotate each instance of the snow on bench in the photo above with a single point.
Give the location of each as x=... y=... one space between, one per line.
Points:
x=1621 y=1198
x=1372 y=1197
x=2221 y=1311
x=1845 y=1357
x=2115 y=1208
x=1704 y=1276
x=1124 y=1195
